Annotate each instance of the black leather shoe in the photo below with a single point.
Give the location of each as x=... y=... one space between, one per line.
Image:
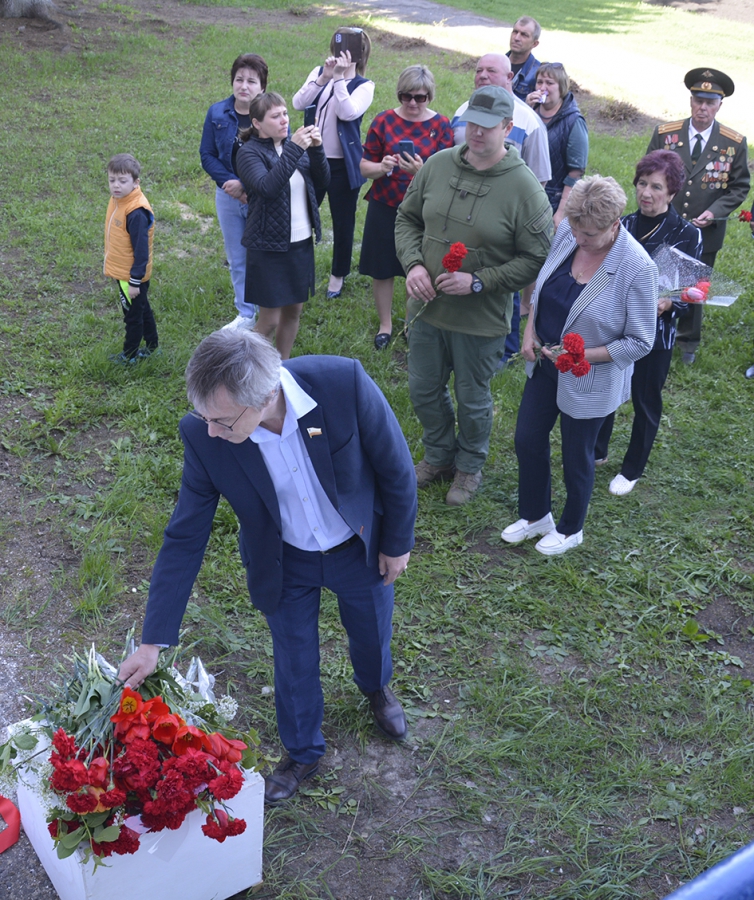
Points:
x=388 y=713
x=284 y=781
x=382 y=339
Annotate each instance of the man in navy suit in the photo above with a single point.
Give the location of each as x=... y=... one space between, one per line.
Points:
x=313 y=461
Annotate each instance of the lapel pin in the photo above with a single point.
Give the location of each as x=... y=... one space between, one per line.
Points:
x=314 y=432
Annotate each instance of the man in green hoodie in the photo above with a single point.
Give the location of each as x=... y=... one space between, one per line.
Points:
x=483 y=196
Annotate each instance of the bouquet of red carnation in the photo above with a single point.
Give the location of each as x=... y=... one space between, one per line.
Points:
x=453 y=259
x=571 y=357
x=123 y=763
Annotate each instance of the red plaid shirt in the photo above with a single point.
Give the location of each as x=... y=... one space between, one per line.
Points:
x=382 y=140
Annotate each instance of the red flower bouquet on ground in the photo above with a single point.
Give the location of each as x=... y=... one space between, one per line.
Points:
x=124 y=762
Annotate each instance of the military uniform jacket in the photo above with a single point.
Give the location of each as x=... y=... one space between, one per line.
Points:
x=719 y=181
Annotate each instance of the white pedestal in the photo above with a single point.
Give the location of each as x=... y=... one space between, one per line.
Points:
x=181 y=864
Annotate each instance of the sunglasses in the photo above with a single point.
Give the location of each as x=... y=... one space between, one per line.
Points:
x=407 y=98
x=552 y=65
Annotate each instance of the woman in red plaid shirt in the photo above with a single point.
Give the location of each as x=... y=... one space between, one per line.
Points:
x=391 y=174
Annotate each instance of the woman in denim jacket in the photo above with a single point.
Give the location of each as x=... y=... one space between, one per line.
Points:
x=220 y=143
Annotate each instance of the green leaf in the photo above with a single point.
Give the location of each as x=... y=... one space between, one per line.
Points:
x=73 y=838
x=26 y=741
x=105 y=835
x=64 y=852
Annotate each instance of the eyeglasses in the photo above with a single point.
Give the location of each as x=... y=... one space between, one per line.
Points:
x=197 y=415
x=418 y=98
x=552 y=65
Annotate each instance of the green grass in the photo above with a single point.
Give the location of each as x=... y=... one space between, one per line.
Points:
x=578 y=729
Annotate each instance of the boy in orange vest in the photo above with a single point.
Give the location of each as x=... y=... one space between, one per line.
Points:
x=129 y=229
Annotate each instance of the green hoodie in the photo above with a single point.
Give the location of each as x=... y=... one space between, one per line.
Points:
x=502 y=216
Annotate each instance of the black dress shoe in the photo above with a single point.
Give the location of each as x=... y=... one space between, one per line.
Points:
x=388 y=713
x=284 y=781
x=382 y=339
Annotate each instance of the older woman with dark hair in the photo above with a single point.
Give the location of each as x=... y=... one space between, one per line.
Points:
x=342 y=94
x=599 y=283
x=219 y=146
x=659 y=177
x=281 y=175
x=567 y=133
x=391 y=172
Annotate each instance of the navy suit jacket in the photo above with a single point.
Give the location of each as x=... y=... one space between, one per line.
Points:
x=359 y=454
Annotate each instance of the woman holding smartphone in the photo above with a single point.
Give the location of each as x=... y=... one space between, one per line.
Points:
x=341 y=95
x=398 y=142
x=281 y=175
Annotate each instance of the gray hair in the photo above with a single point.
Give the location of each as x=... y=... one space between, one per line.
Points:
x=239 y=360
x=595 y=201
x=536 y=28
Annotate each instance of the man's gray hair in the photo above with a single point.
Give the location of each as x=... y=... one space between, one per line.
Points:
x=536 y=28
x=239 y=360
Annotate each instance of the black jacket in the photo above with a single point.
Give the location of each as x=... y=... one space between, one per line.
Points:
x=266 y=176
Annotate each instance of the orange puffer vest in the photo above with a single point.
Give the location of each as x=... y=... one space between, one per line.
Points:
x=119 y=254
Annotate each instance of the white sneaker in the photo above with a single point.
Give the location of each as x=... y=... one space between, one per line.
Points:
x=522 y=530
x=620 y=485
x=555 y=543
x=241 y=321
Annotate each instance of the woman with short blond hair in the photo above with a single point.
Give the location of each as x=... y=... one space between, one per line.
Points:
x=599 y=283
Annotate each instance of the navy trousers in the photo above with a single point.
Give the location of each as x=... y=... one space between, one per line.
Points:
x=366 y=611
x=139 y=321
x=647 y=382
x=537 y=415
x=343 y=200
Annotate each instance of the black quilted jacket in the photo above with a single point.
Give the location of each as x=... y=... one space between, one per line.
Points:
x=266 y=176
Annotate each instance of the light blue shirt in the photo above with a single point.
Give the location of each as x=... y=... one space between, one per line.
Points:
x=309 y=520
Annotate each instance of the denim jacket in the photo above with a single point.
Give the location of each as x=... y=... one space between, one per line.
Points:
x=525 y=80
x=218 y=135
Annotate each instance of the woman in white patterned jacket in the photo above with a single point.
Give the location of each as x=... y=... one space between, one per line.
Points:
x=599 y=283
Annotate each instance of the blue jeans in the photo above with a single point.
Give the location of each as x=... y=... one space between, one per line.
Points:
x=366 y=611
x=231 y=215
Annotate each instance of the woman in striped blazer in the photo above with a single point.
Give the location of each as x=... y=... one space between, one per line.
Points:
x=599 y=283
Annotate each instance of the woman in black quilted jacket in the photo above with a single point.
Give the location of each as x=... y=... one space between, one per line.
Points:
x=281 y=174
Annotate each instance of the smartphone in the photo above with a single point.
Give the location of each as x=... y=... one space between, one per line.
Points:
x=406 y=148
x=350 y=42
x=310 y=115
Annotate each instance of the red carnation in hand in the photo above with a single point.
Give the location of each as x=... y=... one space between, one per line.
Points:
x=744 y=216
x=581 y=368
x=564 y=362
x=453 y=259
x=574 y=344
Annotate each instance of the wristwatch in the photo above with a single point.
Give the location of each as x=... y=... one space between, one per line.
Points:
x=476 y=284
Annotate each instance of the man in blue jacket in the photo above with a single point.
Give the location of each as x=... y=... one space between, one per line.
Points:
x=313 y=461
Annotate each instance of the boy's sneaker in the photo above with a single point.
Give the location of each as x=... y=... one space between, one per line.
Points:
x=146 y=352
x=120 y=359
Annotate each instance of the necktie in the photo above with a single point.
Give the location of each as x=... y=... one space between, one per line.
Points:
x=696 y=151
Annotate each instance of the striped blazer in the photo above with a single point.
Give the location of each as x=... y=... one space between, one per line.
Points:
x=618 y=309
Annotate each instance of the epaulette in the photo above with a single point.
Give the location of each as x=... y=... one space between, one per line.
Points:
x=731 y=134
x=670 y=126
